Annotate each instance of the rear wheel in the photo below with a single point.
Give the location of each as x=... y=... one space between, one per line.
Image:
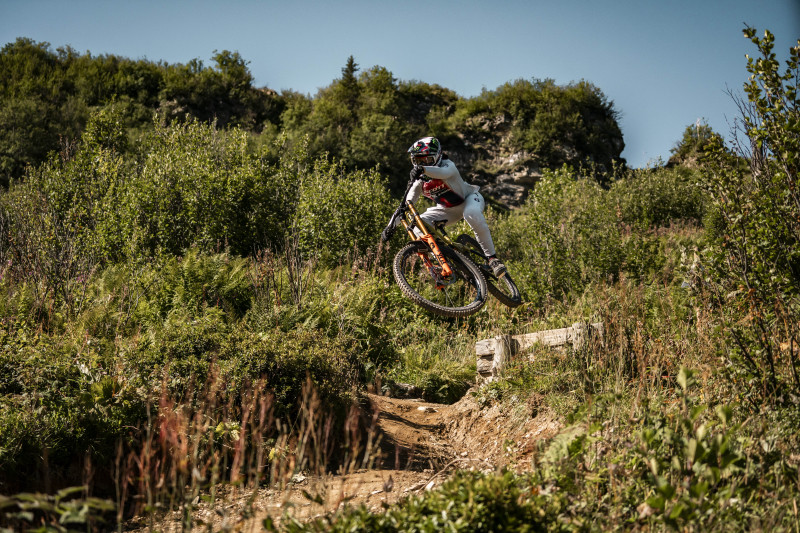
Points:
x=418 y=273
x=502 y=288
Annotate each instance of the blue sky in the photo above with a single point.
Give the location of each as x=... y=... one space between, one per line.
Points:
x=664 y=63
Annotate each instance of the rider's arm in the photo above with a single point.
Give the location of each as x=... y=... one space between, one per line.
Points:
x=414 y=192
x=412 y=196
x=446 y=171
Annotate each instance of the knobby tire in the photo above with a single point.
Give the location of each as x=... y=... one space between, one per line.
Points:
x=502 y=288
x=413 y=278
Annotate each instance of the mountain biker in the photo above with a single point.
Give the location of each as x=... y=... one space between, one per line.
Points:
x=436 y=177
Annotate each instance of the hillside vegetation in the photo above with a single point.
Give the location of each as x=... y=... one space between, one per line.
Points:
x=365 y=119
x=199 y=300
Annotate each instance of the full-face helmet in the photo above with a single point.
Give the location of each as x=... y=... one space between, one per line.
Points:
x=426 y=151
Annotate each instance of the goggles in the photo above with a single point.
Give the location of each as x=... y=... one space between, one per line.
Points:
x=425 y=160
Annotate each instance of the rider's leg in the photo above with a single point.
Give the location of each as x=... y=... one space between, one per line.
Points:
x=449 y=215
x=471 y=211
x=473 y=214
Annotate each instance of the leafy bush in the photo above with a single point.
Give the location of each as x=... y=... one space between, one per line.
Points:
x=181 y=289
x=186 y=357
x=198 y=186
x=192 y=186
x=433 y=364
x=339 y=212
x=655 y=197
x=37 y=107
x=565 y=237
x=753 y=259
x=648 y=202
x=62 y=511
x=572 y=233
x=59 y=224
x=573 y=125
x=48 y=96
x=685 y=465
x=161 y=330
x=692 y=463
x=60 y=399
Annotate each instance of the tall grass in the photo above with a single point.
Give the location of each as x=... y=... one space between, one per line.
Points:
x=187 y=456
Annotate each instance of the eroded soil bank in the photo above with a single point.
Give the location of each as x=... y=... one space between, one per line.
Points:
x=420 y=445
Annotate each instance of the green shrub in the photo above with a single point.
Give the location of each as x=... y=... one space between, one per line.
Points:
x=56 y=227
x=170 y=330
x=573 y=125
x=286 y=359
x=753 y=261
x=644 y=256
x=564 y=237
x=695 y=465
x=436 y=368
x=692 y=147
x=339 y=211
x=655 y=197
x=198 y=186
x=63 y=400
x=182 y=288
x=63 y=511
x=572 y=233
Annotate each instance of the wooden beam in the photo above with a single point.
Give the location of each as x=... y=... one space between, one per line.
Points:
x=493 y=354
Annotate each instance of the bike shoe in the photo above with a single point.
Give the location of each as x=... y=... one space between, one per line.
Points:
x=498 y=268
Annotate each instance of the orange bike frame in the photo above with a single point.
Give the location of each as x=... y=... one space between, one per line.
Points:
x=428 y=239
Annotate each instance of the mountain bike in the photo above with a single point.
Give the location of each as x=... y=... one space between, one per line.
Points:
x=445 y=276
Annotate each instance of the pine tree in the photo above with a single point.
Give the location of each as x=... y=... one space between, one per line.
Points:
x=349 y=84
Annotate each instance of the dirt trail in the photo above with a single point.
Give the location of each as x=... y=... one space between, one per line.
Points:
x=421 y=444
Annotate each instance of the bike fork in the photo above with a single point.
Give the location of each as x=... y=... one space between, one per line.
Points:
x=429 y=240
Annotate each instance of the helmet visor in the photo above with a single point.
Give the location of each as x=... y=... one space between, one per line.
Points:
x=425 y=160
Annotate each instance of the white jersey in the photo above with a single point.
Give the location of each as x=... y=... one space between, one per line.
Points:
x=455 y=199
x=446 y=187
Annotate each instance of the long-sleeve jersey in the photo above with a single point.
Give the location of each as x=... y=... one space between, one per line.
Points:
x=446 y=187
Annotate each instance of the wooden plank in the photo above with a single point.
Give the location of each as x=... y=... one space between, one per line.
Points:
x=485 y=347
x=550 y=337
x=485 y=366
x=504 y=347
x=494 y=353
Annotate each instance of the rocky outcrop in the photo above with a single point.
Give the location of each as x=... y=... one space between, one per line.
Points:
x=485 y=156
x=515 y=133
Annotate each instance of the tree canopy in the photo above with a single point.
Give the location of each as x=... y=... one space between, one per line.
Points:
x=366 y=118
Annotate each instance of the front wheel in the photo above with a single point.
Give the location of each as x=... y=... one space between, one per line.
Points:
x=502 y=288
x=418 y=273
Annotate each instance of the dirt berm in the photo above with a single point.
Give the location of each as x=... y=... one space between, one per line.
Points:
x=420 y=443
